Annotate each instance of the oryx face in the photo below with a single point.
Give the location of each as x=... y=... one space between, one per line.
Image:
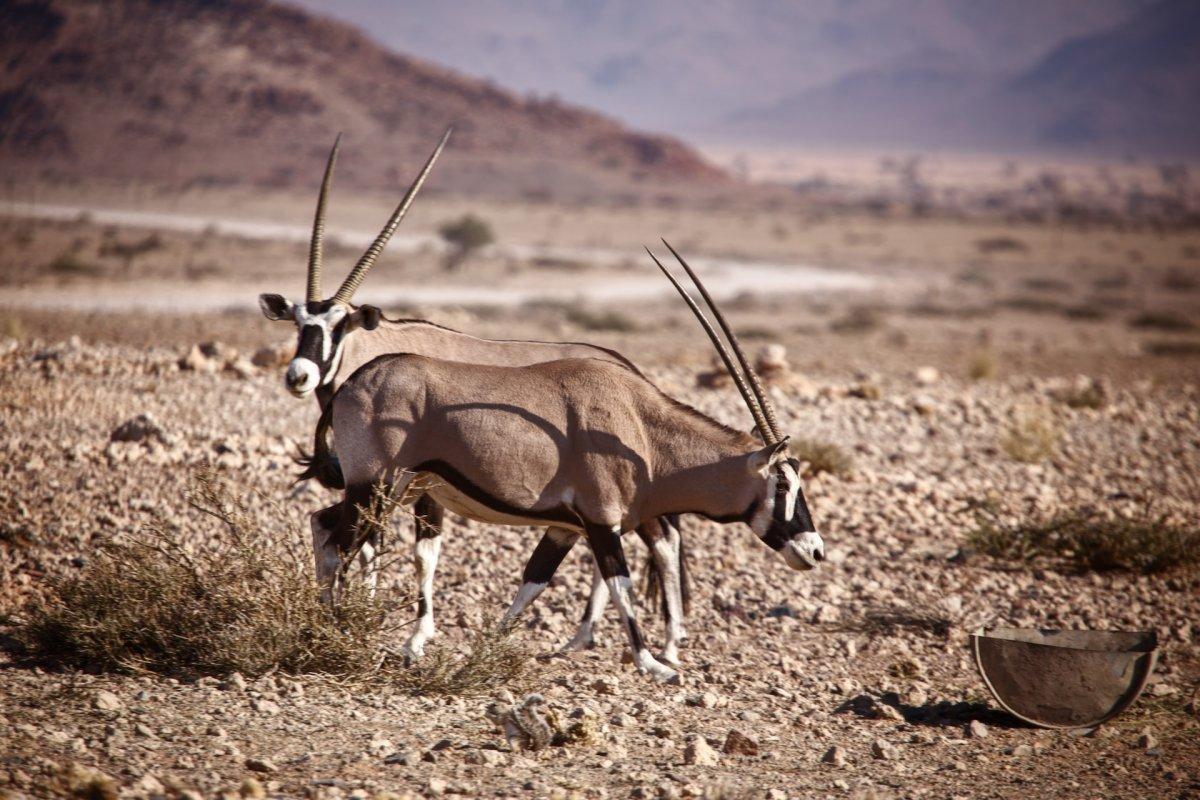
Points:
x=322 y=327
x=781 y=518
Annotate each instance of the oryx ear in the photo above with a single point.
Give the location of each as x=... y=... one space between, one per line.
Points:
x=761 y=461
x=365 y=317
x=275 y=307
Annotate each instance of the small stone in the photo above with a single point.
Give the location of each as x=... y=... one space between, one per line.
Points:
x=197 y=361
x=882 y=750
x=698 y=752
x=241 y=368
x=106 y=701
x=149 y=784
x=606 y=685
x=977 y=730
x=405 y=758
x=437 y=786
x=738 y=743
x=1020 y=751
x=251 y=789
x=268 y=357
x=834 y=755
x=1147 y=741
x=1163 y=689
x=264 y=706
x=926 y=376
x=260 y=765
x=137 y=429
x=234 y=682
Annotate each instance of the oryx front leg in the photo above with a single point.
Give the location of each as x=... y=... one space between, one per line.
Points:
x=665 y=550
x=549 y=553
x=610 y=556
x=326 y=556
x=428 y=515
x=585 y=635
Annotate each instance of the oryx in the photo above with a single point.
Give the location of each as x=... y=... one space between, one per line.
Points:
x=585 y=446
x=335 y=338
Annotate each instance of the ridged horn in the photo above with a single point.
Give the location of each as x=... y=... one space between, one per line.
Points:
x=755 y=386
x=350 y=285
x=755 y=410
x=316 y=249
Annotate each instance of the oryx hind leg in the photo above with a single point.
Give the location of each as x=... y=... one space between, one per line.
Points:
x=428 y=515
x=549 y=553
x=665 y=543
x=610 y=556
x=585 y=634
x=325 y=524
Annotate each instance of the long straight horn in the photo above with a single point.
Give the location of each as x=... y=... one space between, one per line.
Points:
x=763 y=401
x=755 y=411
x=350 y=285
x=316 y=250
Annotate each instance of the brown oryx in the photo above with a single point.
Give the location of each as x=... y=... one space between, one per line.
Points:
x=335 y=338
x=585 y=446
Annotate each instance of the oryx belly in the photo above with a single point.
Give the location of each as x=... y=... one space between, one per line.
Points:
x=464 y=505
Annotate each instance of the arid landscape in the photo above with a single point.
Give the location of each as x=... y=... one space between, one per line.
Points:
x=989 y=366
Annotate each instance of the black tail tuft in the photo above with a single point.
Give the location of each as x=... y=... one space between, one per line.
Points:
x=322 y=464
x=652 y=584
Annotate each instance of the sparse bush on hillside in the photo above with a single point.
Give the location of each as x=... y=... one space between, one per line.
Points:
x=605 y=320
x=1169 y=347
x=859 y=319
x=982 y=365
x=1001 y=244
x=1032 y=437
x=71 y=265
x=1090 y=540
x=465 y=235
x=1162 y=321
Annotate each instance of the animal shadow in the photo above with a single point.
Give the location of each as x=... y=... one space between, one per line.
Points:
x=939 y=714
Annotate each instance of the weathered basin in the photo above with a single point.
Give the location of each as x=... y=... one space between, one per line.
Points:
x=1065 y=679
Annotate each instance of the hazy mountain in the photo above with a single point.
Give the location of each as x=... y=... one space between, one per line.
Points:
x=685 y=67
x=229 y=91
x=1131 y=88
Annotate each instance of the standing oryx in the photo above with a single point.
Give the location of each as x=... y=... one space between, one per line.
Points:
x=585 y=446
x=336 y=338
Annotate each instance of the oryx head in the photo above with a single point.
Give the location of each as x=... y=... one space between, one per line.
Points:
x=779 y=514
x=322 y=324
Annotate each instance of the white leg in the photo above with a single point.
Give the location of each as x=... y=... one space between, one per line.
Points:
x=621 y=589
x=369 y=565
x=549 y=553
x=585 y=635
x=427 y=551
x=665 y=552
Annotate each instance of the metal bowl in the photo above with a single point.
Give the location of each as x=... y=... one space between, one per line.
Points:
x=1065 y=679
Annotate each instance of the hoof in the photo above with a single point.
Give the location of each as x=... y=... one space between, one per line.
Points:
x=669 y=658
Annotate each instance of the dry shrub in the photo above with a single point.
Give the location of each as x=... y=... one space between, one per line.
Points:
x=1091 y=541
x=244 y=599
x=1162 y=321
x=982 y=365
x=1032 y=437
x=606 y=320
x=1169 y=347
x=496 y=656
x=1001 y=244
x=1082 y=394
x=821 y=457
x=859 y=319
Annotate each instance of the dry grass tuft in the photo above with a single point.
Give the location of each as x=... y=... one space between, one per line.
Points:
x=1032 y=437
x=1091 y=541
x=982 y=366
x=821 y=457
x=497 y=656
x=244 y=600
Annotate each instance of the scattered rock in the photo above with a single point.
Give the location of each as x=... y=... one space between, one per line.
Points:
x=834 y=755
x=605 y=685
x=196 y=361
x=241 y=368
x=266 y=357
x=882 y=750
x=772 y=364
x=89 y=782
x=264 y=706
x=738 y=743
x=106 y=701
x=1147 y=741
x=137 y=429
x=234 y=682
x=260 y=765
x=699 y=753
x=149 y=784
x=1020 y=751
x=251 y=789
x=437 y=786
x=977 y=730
x=926 y=376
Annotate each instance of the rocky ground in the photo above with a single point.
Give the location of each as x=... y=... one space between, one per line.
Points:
x=854 y=680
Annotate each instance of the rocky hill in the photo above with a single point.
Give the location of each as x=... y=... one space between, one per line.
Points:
x=237 y=92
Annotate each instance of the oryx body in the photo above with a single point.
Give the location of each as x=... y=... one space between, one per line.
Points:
x=336 y=338
x=587 y=447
